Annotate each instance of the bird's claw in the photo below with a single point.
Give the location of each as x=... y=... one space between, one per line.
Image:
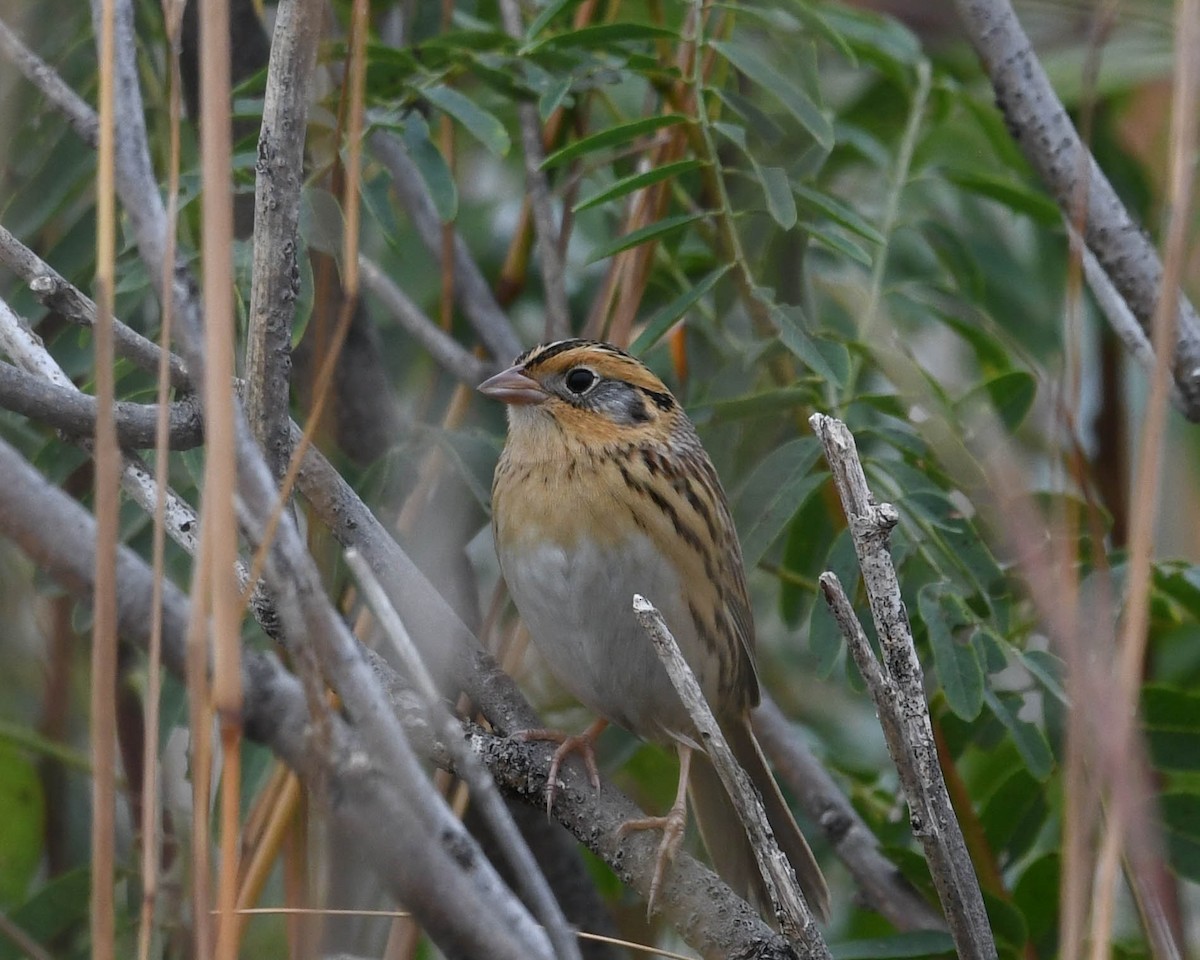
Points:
x=582 y=743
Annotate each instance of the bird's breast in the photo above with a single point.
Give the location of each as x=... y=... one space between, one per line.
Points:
x=573 y=558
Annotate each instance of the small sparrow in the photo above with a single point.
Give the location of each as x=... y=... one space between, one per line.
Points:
x=603 y=491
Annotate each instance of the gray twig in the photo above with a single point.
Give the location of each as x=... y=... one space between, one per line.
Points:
x=56 y=294
x=1044 y=132
x=897 y=687
x=796 y=920
x=279 y=176
x=73 y=412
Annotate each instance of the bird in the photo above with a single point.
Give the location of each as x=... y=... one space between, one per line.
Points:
x=603 y=490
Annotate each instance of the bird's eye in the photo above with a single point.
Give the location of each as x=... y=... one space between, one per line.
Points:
x=579 y=380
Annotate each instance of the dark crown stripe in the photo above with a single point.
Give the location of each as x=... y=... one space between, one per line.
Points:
x=538 y=355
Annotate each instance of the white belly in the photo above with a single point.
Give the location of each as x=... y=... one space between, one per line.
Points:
x=577 y=604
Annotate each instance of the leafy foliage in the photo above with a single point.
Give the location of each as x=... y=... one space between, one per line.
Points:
x=824 y=215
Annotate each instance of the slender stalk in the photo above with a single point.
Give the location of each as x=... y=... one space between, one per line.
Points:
x=220 y=471
x=104 y=628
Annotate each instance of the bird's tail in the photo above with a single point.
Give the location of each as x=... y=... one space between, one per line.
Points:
x=725 y=838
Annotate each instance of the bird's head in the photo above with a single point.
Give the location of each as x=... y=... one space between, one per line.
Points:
x=589 y=391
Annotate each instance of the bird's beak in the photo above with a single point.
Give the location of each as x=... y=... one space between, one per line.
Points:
x=513 y=386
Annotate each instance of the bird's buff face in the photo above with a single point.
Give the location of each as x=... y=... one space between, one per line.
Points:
x=594 y=393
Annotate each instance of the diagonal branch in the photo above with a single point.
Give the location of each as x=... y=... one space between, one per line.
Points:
x=897 y=687
x=1044 y=132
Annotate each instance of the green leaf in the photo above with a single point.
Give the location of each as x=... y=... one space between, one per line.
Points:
x=838 y=212
x=772 y=494
x=432 y=166
x=1181 y=824
x=781 y=204
x=22 y=824
x=916 y=943
x=762 y=403
x=636 y=181
x=601 y=35
x=791 y=323
x=57 y=907
x=1029 y=740
x=653 y=231
x=552 y=10
x=478 y=122
x=1014 y=814
x=1015 y=196
x=552 y=97
x=1171 y=719
x=1047 y=669
x=611 y=136
x=824 y=635
x=957 y=664
x=1010 y=395
x=1036 y=895
x=838 y=244
x=797 y=102
x=665 y=317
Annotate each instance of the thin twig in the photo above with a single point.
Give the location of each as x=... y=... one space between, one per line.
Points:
x=443 y=348
x=69 y=410
x=796 y=919
x=897 y=688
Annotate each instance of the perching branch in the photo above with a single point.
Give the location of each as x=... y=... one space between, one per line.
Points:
x=438 y=880
x=795 y=917
x=1045 y=134
x=897 y=688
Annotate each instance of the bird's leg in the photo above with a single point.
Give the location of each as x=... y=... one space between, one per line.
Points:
x=581 y=743
x=672 y=826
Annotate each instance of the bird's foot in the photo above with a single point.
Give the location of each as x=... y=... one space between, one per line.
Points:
x=582 y=743
x=672 y=826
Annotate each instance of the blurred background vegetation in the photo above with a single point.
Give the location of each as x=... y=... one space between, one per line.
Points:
x=842 y=225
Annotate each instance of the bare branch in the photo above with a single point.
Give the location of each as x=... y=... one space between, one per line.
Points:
x=795 y=917
x=58 y=295
x=434 y=878
x=136 y=184
x=882 y=886
x=1045 y=134
x=275 y=283
x=73 y=412
x=897 y=688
